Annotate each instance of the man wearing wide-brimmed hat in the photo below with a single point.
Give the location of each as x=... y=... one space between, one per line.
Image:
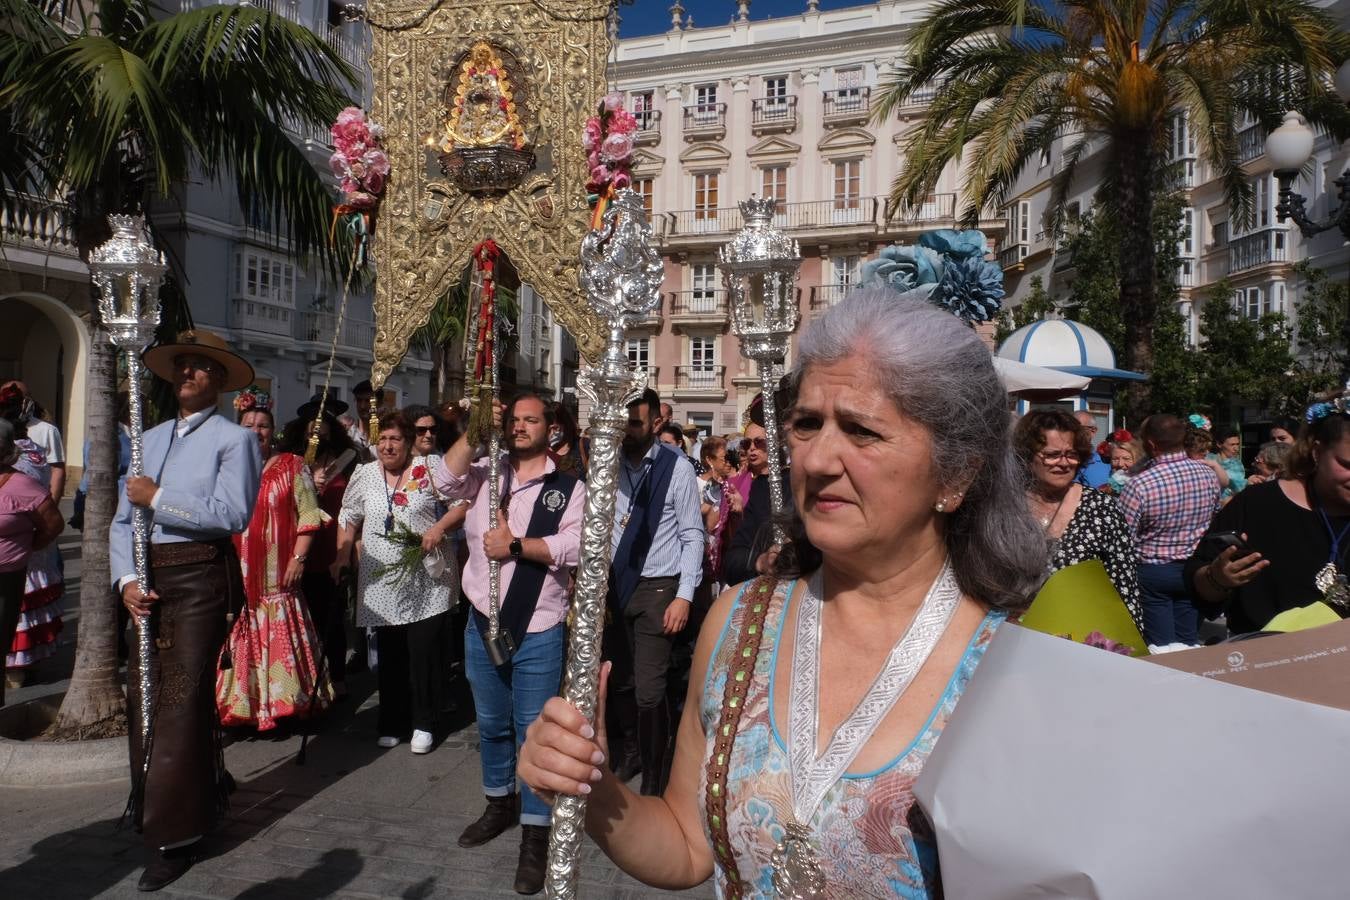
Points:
x=201 y=481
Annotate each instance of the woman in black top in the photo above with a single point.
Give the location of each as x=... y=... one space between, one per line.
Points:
x=1295 y=526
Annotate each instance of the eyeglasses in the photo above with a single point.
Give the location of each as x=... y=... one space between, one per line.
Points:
x=758 y=443
x=425 y=429
x=1067 y=456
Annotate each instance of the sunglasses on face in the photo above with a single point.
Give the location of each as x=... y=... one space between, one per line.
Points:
x=425 y=429
x=758 y=443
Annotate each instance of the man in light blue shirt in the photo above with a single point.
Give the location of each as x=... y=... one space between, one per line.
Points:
x=658 y=540
x=201 y=482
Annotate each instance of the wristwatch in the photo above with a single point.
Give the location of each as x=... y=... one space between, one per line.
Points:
x=516 y=548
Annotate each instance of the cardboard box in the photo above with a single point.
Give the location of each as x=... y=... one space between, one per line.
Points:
x=1312 y=665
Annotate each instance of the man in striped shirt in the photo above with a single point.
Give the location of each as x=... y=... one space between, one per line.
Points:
x=1168 y=507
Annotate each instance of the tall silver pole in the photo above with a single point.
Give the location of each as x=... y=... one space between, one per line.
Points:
x=768 y=383
x=140 y=552
x=621 y=274
x=128 y=270
x=494 y=482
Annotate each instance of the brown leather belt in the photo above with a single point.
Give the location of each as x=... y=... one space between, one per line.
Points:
x=187 y=553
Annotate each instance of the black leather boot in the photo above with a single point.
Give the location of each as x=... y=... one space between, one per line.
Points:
x=533 y=859
x=166 y=867
x=653 y=736
x=501 y=814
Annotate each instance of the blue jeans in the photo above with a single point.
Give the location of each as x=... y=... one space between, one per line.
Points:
x=1169 y=614
x=507 y=700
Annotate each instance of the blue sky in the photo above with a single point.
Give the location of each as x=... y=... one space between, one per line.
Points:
x=653 y=16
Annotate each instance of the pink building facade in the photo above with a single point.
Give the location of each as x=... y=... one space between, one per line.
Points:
x=777 y=107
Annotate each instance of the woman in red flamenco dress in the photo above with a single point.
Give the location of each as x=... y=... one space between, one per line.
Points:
x=272 y=666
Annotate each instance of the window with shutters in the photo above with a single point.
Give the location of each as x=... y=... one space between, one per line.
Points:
x=639 y=352
x=848 y=205
x=643 y=187
x=773 y=184
x=705 y=195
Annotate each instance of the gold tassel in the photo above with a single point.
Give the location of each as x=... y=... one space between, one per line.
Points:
x=374 y=423
x=312 y=449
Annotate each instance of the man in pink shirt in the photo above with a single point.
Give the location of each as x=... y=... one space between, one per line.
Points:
x=537 y=539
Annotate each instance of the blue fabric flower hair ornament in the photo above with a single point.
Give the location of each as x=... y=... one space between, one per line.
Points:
x=1319 y=411
x=946 y=267
x=1199 y=421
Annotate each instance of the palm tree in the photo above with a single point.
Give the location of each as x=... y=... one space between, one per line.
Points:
x=1012 y=76
x=115 y=104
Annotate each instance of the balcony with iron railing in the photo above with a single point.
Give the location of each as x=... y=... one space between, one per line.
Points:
x=701 y=306
x=648 y=126
x=773 y=114
x=700 y=382
x=705 y=121
x=1064 y=254
x=936 y=209
x=920 y=97
x=356 y=334
x=858 y=216
x=847 y=106
x=1251 y=144
x=1258 y=249
x=823 y=296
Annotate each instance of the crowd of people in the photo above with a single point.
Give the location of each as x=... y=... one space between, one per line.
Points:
x=378 y=552
x=761 y=697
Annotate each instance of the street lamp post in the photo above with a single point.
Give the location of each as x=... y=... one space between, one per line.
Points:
x=760 y=266
x=128 y=270
x=1289 y=148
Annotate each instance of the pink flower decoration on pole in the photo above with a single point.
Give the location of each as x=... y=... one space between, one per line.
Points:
x=608 y=140
x=358 y=158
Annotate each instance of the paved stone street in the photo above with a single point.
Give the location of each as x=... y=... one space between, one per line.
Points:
x=353 y=821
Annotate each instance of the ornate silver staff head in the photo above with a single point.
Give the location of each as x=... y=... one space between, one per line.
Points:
x=128 y=270
x=759 y=265
x=621 y=271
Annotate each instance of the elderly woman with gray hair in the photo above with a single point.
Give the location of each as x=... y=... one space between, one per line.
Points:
x=818 y=692
x=29 y=520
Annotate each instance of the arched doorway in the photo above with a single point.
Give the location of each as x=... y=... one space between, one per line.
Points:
x=45 y=345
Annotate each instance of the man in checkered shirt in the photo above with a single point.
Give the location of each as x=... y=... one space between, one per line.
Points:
x=1168 y=507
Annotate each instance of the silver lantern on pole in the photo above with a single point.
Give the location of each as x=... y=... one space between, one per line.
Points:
x=128 y=270
x=621 y=274
x=759 y=265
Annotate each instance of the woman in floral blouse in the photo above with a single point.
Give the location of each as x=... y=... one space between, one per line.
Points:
x=404 y=591
x=1079 y=524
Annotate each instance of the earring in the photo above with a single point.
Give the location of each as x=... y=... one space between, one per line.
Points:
x=941 y=505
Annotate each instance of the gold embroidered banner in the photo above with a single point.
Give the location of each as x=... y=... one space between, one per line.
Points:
x=490 y=70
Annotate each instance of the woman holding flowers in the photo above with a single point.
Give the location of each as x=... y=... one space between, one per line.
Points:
x=404 y=580
x=270 y=670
